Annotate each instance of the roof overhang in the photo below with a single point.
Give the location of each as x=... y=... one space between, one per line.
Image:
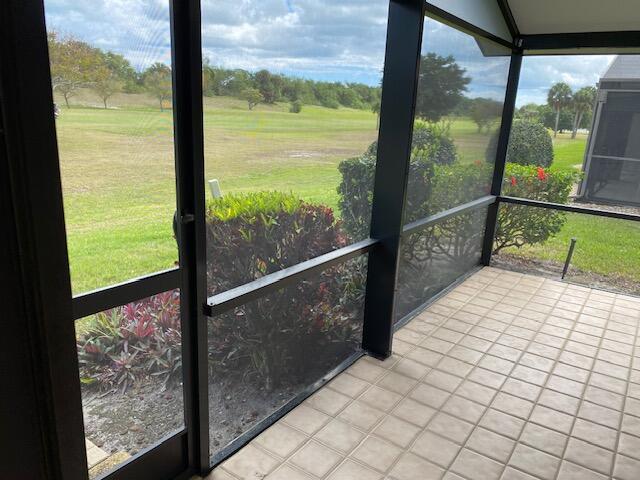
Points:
x=547 y=27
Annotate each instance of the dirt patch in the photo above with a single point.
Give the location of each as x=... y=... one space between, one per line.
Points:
x=553 y=270
x=143 y=415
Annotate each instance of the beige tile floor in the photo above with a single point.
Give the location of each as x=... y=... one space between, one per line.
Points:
x=508 y=376
x=95 y=454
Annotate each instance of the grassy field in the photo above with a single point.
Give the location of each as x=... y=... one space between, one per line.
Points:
x=119 y=179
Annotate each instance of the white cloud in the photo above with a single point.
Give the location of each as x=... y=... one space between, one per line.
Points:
x=335 y=40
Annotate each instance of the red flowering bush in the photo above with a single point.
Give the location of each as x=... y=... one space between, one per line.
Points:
x=519 y=225
x=132 y=343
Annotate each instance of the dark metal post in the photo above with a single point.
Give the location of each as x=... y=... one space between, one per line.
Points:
x=501 y=154
x=567 y=262
x=41 y=430
x=189 y=151
x=399 y=86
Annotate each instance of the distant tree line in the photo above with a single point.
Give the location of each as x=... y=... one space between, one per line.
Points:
x=76 y=64
x=266 y=87
x=564 y=110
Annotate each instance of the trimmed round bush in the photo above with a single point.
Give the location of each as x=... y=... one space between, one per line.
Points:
x=430 y=139
x=529 y=144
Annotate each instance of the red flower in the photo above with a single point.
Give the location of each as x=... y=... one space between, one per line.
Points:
x=514 y=182
x=542 y=175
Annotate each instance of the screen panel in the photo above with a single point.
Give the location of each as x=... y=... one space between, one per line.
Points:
x=266 y=352
x=111 y=80
x=291 y=104
x=461 y=90
x=537 y=240
x=130 y=360
x=435 y=257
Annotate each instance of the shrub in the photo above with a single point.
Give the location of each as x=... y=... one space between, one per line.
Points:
x=431 y=146
x=529 y=144
x=132 y=343
x=286 y=335
x=520 y=225
x=433 y=139
x=255 y=234
x=295 y=107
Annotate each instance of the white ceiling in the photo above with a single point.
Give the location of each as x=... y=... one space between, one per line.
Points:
x=572 y=16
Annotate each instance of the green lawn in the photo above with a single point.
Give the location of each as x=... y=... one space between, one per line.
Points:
x=568 y=152
x=119 y=180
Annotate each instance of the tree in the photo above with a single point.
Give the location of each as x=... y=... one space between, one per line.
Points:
x=559 y=97
x=252 y=96
x=530 y=112
x=440 y=86
x=268 y=84
x=583 y=101
x=157 y=81
x=375 y=108
x=122 y=70
x=72 y=64
x=106 y=83
x=484 y=111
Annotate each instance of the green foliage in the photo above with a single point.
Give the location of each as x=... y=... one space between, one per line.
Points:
x=249 y=207
x=431 y=145
x=440 y=86
x=295 y=107
x=484 y=112
x=252 y=96
x=529 y=144
x=157 y=80
x=583 y=102
x=281 y=88
x=559 y=97
x=269 y=85
x=280 y=337
x=73 y=64
x=133 y=343
x=548 y=118
x=519 y=225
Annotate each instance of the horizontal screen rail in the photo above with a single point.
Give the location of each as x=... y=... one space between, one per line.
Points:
x=570 y=208
x=452 y=212
x=235 y=297
x=110 y=297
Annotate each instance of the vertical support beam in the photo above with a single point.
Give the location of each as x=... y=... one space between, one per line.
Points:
x=189 y=153
x=501 y=154
x=399 y=87
x=41 y=427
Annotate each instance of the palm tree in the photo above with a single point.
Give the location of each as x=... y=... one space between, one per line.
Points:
x=559 y=96
x=583 y=101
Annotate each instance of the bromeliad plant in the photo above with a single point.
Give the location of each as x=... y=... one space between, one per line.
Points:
x=133 y=343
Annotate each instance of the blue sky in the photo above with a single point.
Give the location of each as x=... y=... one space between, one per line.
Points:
x=334 y=40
